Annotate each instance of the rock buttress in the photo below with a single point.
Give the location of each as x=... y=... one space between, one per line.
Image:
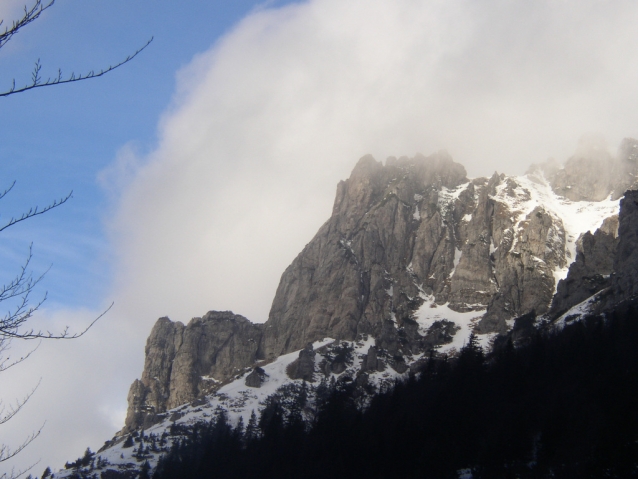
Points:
x=185 y=362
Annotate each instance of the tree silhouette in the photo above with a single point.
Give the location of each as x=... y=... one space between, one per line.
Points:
x=30 y=15
x=16 y=293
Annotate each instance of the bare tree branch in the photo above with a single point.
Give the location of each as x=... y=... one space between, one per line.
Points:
x=4 y=193
x=36 y=80
x=4 y=361
x=15 y=474
x=22 y=286
x=33 y=211
x=30 y=15
x=18 y=291
x=13 y=410
x=7 y=453
x=32 y=334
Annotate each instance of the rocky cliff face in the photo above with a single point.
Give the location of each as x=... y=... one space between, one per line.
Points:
x=415 y=255
x=592 y=270
x=624 y=280
x=339 y=284
x=183 y=362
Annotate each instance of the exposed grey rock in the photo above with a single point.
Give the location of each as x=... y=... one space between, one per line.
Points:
x=176 y=416
x=338 y=285
x=398 y=364
x=214 y=348
x=337 y=367
x=472 y=284
x=523 y=267
x=371 y=362
x=590 y=272
x=337 y=357
x=150 y=395
x=139 y=413
x=184 y=362
x=256 y=378
x=625 y=278
x=304 y=366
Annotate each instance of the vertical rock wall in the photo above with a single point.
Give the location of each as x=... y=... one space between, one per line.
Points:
x=185 y=362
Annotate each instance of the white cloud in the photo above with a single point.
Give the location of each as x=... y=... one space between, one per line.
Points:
x=10 y=10
x=80 y=397
x=267 y=121
x=115 y=178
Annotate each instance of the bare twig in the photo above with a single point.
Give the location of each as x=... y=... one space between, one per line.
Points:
x=6 y=362
x=32 y=334
x=34 y=211
x=15 y=474
x=4 y=193
x=7 y=453
x=36 y=80
x=13 y=410
x=30 y=14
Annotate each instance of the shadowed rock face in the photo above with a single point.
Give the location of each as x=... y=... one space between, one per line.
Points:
x=185 y=362
x=385 y=230
x=409 y=229
x=591 y=271
x=256 y=378
x=625 y=278
x=304 y=366
x=606 y=262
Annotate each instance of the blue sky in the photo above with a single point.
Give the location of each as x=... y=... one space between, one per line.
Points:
x=56 y=140
x=203 y=167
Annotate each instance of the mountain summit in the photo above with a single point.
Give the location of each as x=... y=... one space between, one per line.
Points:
x=414 y=259
x=416 y=256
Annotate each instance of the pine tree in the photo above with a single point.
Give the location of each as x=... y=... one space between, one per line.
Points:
x=145 y=471
x=239 y=429
x=252 y=430
x=471 y=355
x=129 y=441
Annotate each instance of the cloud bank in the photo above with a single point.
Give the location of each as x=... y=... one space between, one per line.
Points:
x=265 y=123
x=10 y=10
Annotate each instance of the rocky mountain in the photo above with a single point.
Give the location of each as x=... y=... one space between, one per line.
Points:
x=182 y=362
x=414 y=258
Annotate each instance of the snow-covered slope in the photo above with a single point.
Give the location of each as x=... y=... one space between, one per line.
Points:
x=577 y=217
x=238 y=402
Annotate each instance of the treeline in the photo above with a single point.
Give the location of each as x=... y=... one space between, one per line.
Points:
x=563 y=406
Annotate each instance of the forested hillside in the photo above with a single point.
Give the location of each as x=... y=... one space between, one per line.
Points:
x=562 y=406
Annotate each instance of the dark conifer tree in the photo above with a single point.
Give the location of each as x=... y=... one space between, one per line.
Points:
x=252 y=430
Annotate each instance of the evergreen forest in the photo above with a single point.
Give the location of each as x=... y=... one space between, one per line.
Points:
x=563 y=405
